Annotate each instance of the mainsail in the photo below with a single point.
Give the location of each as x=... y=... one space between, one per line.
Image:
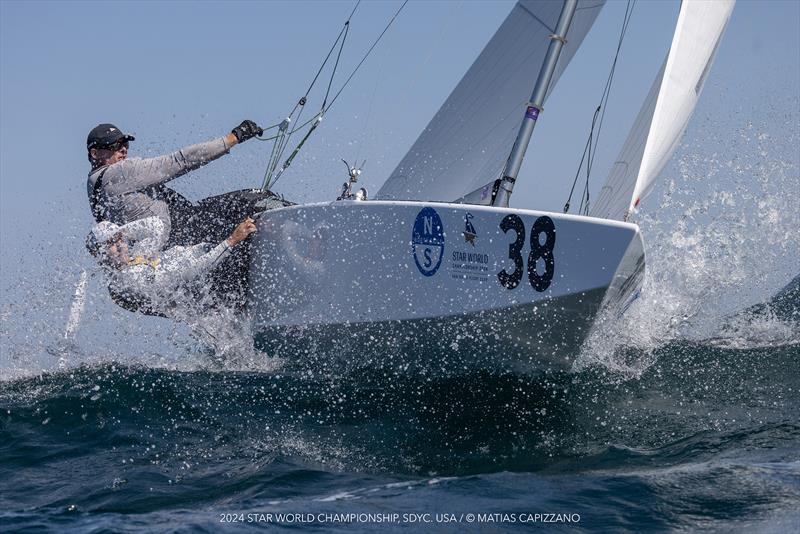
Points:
x=466 y=144
x=667 y=109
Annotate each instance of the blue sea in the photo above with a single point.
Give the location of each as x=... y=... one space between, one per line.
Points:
x=704 y=437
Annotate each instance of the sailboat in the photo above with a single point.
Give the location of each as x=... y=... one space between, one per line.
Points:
x=438 y=271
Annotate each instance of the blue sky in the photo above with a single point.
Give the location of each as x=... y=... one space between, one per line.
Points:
x=175 y=73
x=179 y=72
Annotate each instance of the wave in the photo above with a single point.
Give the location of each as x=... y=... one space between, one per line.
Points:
x=720 y=236
x=770 y=324
x=440 y=425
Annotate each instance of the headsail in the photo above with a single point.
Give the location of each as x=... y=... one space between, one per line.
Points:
x=466 y=144
x=667 y=108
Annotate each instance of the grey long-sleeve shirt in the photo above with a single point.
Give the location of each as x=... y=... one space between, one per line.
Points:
x=134 y=188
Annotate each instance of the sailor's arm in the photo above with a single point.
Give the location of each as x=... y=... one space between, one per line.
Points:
x=137 y=174
x=197 y=267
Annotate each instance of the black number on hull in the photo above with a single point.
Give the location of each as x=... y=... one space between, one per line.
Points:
x=513 y=222
x=543 y=225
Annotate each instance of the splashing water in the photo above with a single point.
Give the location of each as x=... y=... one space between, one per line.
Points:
x=724 y=234
x=227 y=338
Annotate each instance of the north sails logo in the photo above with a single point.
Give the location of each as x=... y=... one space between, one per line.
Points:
x=470 y=235
x=427 y=241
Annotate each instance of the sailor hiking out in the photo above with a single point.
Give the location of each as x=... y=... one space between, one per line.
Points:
x=161 y=282
x=122 y=189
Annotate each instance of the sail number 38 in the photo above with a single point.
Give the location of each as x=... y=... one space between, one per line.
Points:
x=540 y=252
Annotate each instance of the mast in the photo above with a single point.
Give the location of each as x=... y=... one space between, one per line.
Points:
x=514 y=162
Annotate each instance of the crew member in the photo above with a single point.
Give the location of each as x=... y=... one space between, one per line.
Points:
x=122 y=189
x=155 y=281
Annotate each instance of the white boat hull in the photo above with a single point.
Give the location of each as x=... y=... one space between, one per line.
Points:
x=428 y=285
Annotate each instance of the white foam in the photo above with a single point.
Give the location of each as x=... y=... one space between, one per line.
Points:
x=722 y=236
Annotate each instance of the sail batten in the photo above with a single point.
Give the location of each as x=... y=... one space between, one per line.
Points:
x=667 y=109
x=468 y=141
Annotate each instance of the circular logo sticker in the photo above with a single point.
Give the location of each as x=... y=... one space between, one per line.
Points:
x=427 y=241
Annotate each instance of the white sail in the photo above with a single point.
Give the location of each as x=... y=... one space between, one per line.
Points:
x=467 y=142
x=667 y=108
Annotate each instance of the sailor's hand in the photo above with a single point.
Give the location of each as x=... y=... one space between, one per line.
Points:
x=245 y=228
x=246 y=130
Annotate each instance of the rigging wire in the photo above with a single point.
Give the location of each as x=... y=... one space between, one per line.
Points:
x=584 y=205
x=366 y=123
x=591 y=145
x=343 y=35
x=285 y=132
x=336 y=65
x=593 y=152
x=367 y=54
x=586 y=149
x=343 y=31
x=314 y=121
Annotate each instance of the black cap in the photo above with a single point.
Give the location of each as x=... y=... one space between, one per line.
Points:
x=105 y=135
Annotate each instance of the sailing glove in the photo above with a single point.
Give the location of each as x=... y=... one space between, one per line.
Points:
x=246 y=130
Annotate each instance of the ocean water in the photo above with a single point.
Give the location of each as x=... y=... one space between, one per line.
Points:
x=683 y=414
x=707 y=437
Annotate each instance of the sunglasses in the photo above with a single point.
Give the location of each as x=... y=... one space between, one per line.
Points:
x=119 y=145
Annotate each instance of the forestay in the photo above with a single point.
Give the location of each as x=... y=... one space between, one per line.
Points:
x=467 y=142
x=667 y=109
